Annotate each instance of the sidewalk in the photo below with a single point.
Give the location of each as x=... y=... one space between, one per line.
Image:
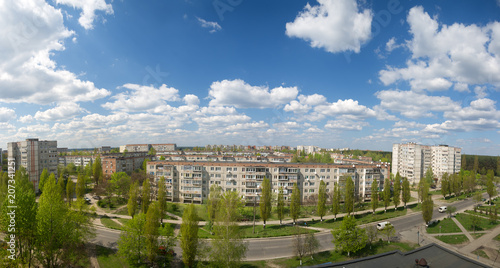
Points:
x=464 y=231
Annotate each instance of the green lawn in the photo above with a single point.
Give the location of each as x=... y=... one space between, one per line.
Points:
x=269 y=231
x=109 y=223
x=123 y=221
x=447 y=226
x=481 y=253
x=108 y=258
x=360 y=218
x=453 y=239
x=497 y=238
x=466 y=220
x=477 y=235
x=110 y=205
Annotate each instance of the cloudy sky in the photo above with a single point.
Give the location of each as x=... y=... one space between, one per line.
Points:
x=333 y=73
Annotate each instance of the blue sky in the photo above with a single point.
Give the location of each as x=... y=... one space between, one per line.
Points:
x=331 y=73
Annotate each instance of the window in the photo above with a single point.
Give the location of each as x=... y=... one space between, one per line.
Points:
x=322 y=170
x=307 y=170
x=312 y=170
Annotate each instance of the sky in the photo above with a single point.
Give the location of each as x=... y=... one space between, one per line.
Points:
x=332 y=73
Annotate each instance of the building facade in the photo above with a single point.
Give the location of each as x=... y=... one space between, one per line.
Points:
x=190 y=181
x=163 y=147
x=412 y=160
x=128 y=162
x=34 y=155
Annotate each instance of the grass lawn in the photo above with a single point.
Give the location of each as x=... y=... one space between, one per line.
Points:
x=477 y=235
x=123 y=221
x=453 y=239
x=108 y=258
x=481 y=253
x=447 y=226
x=360 y=218
x=109 y=223
x=109 y=207
x=415 y=207
x=466 y=220
x=269 y=231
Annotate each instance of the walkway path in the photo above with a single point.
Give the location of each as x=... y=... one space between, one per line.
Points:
x=464 y=231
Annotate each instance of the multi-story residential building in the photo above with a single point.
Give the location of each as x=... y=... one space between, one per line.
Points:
x=77 y=160
x=128 y=162
x=308 y=149
x=34 y=155
x=412 y=160
x=164 y=147
x=190 y=181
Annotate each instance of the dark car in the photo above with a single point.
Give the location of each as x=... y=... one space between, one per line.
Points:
x=96 y=197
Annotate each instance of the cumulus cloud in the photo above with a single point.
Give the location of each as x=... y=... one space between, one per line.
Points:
x=239 y=94
x=334 y=25
x=212 y=25
x=6 y=114
x=31 y=31
x=348 y=108
x=142 y=98
x=62 y=111
x=305 y=103
x=344 y=124
x=391 y=45
x=88 y=8
x=446 y=54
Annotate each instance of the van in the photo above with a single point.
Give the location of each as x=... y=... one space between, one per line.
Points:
x=381 y=225
x=442 y=209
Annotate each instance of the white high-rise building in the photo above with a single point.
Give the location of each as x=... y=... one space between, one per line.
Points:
x=412 y=160
x=34 y=155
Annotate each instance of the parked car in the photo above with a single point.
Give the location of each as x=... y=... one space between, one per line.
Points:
x=86 y=199
x=442 y=209
x=382 y=225
x=96 y=197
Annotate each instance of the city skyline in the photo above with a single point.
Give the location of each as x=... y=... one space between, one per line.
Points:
x=335 y=74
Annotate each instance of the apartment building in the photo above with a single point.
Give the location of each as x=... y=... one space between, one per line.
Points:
x=163 y=147
x=128 y=162
x=190 y=181
x=77 y=160
x=34 y=155
x=412 y=160
x=308 y=149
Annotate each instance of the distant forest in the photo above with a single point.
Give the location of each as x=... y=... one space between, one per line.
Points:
x=481 y=163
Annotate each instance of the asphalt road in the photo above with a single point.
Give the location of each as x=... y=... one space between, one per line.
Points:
x=282 y=247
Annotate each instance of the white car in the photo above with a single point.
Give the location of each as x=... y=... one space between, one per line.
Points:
x=382 y=225
x=442 y=209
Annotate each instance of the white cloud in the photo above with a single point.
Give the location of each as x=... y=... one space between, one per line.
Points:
x=248 y=126
x=334 y=25
x=344 y=124
x=31 y=30
x=461 y=87
x=391 y=45
x=305 y=103
x=348 y=108
x=6 y=114
x=478 y=109
x=314 y=130
x=446 y=54
x=26 y=119
x=415 y=105
x=191 y=100
x=239 y=94
x=88 y=7
x=212 y=25
x=143 y=98
x=480 y=92
x=62 y=111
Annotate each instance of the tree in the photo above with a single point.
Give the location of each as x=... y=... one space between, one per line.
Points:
x=132 y=241
x=397 y=191
x=120 y=183
x=295 y=203
x=70 y=191
x=423 y=190
x=227 y=248
x=450 y=210
x=336 y=200
x=213 y=202
x=457 y=184
x=280 y=207
x=80 y=186
x=132 y=199
x=371 y=234
x=151 y=231
x=152 y=151
x=490 y=185
x=62 y=187
x=162 y=198
x=475 y=220
x=304 y=243
x=374 y=197
x=349 y=195
x=146 y=195
x=265 y=201
x=322 y=199
x=97 y=170
x=427 y=208
x=386 y=193
x=388 y=231
x=476 y=164
x=189 y=235
x=349 y=238
x=445 y=184
x=406 y=194
x=429 y=176
x=43 y=179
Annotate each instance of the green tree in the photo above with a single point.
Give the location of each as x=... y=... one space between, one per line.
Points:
x=162 y=198
x=120 y=183
x=388 y=231
x=386 y=193
x=450 y=210
x=349 y=238
x=213 y=201
x=374 y=195
x=265 y=201
x=396 y=199
x=322 y=199
x=429 y=176
x=97 y=170
x=490 y=185
x=371 y=234
x=152 y=151
x=189 y=235
x=70 y=191
x=62 y=186
x=146 y=195
x=406 y=194
x=43 y=179
x=349 y=195
x=476 y=164
x=227 y=247
x=445 y=184
x=151 y=231
x=427 y=208
x=132 y=241
x=336 y=200
x=475 y=221
x=132 y=199
x=295 y=203
x=304 y=243
x=457 y=184
x=280 y=207
x=80 y=186
x=423 y=190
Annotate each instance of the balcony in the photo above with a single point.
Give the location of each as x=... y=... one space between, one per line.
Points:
x=285 y=170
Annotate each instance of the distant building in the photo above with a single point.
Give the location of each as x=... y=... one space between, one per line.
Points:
x=412 y=160
x=128 y=162
x=146 y=147
x=34 y=155
x=310 y=149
